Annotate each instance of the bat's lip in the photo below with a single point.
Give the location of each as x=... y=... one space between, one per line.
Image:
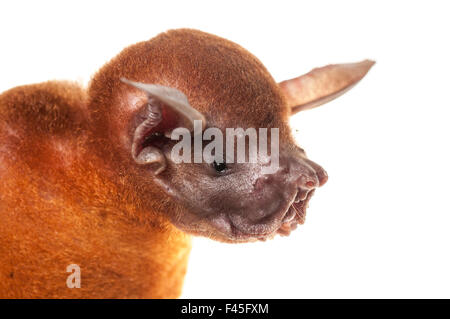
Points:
x=295 y=215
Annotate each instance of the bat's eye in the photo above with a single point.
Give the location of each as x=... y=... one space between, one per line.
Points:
x=219 y=167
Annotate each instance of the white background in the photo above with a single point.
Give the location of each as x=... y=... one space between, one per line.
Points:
x=381 y=226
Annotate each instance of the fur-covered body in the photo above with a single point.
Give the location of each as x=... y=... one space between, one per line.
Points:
x=61 y=205
x=71 y=193
x=67 y=195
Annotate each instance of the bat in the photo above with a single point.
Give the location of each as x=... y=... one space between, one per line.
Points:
x=89 y=177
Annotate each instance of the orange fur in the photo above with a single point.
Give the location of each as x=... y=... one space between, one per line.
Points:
x=58 y=208
x=68 y=194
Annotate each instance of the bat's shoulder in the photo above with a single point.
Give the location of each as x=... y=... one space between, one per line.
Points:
x=52 y=107
x=42 y=122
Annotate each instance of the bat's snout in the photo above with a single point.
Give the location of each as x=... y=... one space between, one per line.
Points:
x=305 y=176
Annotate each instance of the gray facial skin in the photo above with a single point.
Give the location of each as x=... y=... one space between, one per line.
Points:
x=233 y=202
x=187 y=75
x=240 y=203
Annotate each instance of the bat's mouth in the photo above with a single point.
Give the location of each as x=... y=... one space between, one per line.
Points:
x=283 y=225
x=295 y=215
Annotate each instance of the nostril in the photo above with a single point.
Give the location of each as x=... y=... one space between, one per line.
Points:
x=310 y=184
x=307 y=182
x=320 y=173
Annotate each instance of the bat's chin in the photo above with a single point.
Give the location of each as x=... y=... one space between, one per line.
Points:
x=236 y=229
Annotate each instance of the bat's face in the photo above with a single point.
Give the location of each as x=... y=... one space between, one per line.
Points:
x=240 y=202
x=190 y=89
x=237 y=175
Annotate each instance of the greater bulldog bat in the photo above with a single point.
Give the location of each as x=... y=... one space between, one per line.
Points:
x=87 y=175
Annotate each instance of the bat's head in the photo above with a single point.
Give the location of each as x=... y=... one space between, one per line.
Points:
x=200 y=119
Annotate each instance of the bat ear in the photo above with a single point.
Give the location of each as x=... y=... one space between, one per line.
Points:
x=166 y=110
x=322 y=85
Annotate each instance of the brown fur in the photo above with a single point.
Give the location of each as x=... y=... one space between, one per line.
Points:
x=68 y=194
x=59 y=208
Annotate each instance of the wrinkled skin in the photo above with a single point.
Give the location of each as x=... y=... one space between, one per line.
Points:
x=232 y=89
x=87 y=175
x=241 y=202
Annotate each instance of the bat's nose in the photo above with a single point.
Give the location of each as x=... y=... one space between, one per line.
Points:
x=323 y=177
x=307 y=181
x=309 y=175
x=300 y=173
x=321 y=174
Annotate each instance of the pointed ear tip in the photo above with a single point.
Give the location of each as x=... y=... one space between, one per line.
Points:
x=368 y=63
x=362 y=68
